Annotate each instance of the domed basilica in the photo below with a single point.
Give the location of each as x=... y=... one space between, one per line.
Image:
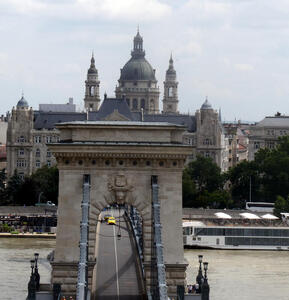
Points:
x=136 y=99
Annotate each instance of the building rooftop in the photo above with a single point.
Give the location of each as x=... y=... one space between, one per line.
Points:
x=277 y=121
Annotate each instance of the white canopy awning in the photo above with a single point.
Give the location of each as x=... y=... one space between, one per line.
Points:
x=249 y=216
x=270 y=217
x=222 y=215
x=193 y=224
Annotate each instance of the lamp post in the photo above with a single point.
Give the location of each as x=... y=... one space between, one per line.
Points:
x=36 y=274
x=205 y=285
x=31 y=283
x=200 y=277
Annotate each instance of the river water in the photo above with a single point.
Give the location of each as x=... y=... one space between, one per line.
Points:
x=233 y=275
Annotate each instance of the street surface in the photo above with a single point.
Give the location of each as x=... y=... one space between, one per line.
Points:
x=116 y=270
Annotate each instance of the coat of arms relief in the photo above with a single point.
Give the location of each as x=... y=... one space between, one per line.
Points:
x=119 y=190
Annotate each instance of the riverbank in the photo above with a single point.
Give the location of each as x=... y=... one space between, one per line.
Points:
x=28 y=235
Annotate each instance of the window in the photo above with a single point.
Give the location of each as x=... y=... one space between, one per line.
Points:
x=152 y=105
x=207 y=154
x=21 y=152
x=37 y=164
x=37 y=139
x=21 y=139
x=128 y=102
x=37 y=153
x=256 y=145
x=48 y=153
x=170 y=92
x=48 y=139
x=91 y=91
x=207 y=142
x=21 y=163
x=170 y=107
x=49 y=163
x=21 y=175
x=134 y=104
x=142 y=103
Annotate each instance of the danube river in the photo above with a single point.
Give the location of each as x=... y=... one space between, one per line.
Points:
x=233 y=275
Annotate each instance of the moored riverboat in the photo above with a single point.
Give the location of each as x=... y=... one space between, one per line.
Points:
x=248 y=232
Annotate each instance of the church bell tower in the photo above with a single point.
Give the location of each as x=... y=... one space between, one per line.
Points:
x=92 y=99
x=170 y=100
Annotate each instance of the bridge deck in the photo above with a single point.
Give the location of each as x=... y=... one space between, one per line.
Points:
x=116 y=269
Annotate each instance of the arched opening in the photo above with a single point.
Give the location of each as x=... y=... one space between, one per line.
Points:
x=152 y=105
x=170 y=92
x=91 y=91
x=134 y=104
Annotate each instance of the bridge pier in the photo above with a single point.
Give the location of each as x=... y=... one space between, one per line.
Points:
x=121 y=158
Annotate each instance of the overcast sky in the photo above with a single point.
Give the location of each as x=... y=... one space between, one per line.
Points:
x=235 y=52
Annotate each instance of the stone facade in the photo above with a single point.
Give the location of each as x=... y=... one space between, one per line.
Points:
x=132 y=153
x=265 y=134
x=26 y=146
x=238 y=142
x=210 y=138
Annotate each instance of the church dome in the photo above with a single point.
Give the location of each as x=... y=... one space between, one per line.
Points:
x=206 y=105
x=22 y=102
x=137 y=68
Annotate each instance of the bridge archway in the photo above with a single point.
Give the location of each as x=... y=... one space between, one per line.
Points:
x=121 y=170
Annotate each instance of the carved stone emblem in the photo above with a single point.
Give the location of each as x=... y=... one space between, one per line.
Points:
x=120 y=190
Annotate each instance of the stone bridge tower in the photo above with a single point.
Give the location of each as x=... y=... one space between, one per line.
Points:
x=119 y=157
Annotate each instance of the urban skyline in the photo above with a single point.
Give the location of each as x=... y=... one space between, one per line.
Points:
x=234 y=53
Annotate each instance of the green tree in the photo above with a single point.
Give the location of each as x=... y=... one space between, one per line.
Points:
x=189 y=189
x=13 y=186
x=240 y=178
x=46 y=181
x=3 y=195
x=274 y=170
x=206 y=174
x=281 y=205
x=201 y=179
x=26 y=194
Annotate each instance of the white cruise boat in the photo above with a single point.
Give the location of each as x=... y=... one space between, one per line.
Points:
x=249 y=232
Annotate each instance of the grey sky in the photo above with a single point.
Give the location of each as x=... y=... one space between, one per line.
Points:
x=235 y=52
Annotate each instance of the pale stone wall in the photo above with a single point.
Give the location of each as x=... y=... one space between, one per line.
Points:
x=134 y=165
x=19 y=141
x=26 y=147
x=210 y=137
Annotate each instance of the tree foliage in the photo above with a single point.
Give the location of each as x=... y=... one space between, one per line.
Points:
x=269 y=175
x=203 y=185
x=42 y=185
x=281 y=205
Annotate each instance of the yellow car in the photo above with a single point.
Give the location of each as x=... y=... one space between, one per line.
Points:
x=111 y=221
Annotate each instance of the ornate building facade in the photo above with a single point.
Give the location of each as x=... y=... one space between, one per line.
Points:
x=137 y=99
x=266 y=133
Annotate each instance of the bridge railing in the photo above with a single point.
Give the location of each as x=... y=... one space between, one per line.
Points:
x=161 y=291
x=135 y=222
